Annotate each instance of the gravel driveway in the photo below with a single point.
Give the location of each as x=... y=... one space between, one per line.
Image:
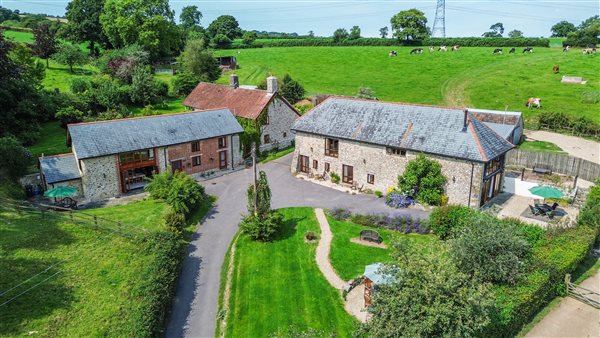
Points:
x=195 y=305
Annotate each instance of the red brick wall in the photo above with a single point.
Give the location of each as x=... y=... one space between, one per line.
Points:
x=208 y=150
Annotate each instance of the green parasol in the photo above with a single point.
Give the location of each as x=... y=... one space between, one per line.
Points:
x=546 y=191
x=65 y=191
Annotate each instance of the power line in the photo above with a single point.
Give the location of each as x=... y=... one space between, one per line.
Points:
x=30 y=278
x=31 y=288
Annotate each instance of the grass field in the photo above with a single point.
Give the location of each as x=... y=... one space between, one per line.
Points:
x=540 y=146
x=25 y=37
x=349 y=259
x=472 y=77
x=278 y=284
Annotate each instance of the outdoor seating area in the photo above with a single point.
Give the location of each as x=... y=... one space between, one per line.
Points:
x=370 y=235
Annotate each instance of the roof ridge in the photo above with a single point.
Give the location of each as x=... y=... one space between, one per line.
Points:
x=400 y=103
x=236 y=88
x=149 y=117
x=481 y=124
x=484 y=125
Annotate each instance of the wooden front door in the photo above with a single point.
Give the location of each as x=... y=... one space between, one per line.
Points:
x=177 y=165
x=348 y=174
x=303 y=163
x=223 y=159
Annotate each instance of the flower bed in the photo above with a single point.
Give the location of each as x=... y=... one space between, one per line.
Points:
x=399 y=222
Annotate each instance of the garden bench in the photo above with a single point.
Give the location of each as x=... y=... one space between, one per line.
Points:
x=370 y=235
x=542 y=169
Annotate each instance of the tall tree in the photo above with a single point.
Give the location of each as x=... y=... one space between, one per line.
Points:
x=562 y=29
x=226 y=25
x=84 y=23
x=354 y=33
x=199 y=61
x=149 y=23
x=515 y=33
x=593 y=20
x=291 y=89
x=496 y=31
x=410 y=25
x=340 y=35
x=190 y=17
x=383 y=31
x=45 y=43
x=70 y=55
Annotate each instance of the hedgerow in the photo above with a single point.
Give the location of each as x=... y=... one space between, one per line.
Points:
x=488 y=42
x=580 y=126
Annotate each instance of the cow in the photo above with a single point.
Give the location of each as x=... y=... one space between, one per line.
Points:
x=393 y=53
x=431 y=49
x=442 y=49
x=416 y=51
x=589 y=50
x=533 y=101
x=512 y=50
x=556 y=69
x=497 y=51
x=528 y=50
x=566 y=49
x=455 y=48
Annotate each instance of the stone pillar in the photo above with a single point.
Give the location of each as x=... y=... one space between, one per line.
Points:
x=234 y=81
x=271 y=84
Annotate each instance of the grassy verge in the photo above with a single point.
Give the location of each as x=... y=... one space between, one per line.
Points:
x=273 y=155
x=106 y=284
x=349 y=259
x=278 y=284
x=540 y=146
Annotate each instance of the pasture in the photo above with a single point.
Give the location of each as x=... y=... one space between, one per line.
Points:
x=471 y=77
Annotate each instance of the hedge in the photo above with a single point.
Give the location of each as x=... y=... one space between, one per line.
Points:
x=155 y=294
x=488 y=42
x=447 y=220
x=580 y=126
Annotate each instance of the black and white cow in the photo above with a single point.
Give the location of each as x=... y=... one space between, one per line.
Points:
x=528 y=50
x=512 y=50
x=417 y=51
x=497 y=51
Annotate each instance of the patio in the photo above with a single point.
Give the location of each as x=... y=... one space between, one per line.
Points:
x=507 y=205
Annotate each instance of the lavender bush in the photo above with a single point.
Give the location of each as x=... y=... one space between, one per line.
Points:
x=398 y=200
x=340 y=214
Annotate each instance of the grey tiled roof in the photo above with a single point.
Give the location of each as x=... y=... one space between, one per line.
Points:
x=434 y=130
x=503 y=130
x=118 y=136
x=59 y=168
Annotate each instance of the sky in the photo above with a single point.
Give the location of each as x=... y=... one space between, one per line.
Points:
x=463 y=17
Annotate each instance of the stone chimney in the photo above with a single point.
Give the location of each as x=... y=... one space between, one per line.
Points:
x=271 y=84
x=233 y=81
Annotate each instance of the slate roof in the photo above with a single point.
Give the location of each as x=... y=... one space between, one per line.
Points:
x=503 y=130
x=117 y=136
x=246 y=103
x=429 y=129
x=59 y=168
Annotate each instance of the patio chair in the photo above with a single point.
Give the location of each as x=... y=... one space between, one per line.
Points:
x=554 y=205
x=550 y=214
x=535 y=210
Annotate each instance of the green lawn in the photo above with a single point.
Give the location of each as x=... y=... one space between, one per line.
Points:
x=472 y=77
x=349 y=259
x=91 y=296
x=53 y=140
x=60 y=77
x=25 y=37
x=273 y=155
x=540 y=146
x=278 y=284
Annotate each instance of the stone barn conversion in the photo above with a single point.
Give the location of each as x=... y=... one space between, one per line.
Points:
x=368 y=143
x=267 y=108
x=114 y=157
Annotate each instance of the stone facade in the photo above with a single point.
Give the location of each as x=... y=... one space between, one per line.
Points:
x=70 y=183
x=100 y=177
x=373 y=159
x=281 y=118
x=236 y=153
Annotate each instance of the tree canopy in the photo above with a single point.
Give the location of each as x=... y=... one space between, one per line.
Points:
x=45 y=43
x=423 y=180
x=70 y=55
x=383 y=31
x=410 y=25
x=84 y=23
x=226 y=25
x=562 y=29
x=190 y=17
x=515 y=33
x=340 y=35
x=199 y=61
x=354 y=33
x=496 y=31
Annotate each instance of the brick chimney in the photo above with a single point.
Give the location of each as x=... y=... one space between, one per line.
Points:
x=233 y=81
x=271 y=84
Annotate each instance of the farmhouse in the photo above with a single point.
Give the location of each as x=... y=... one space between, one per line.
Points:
x=113 y=157
x=267 y=108
x=368 y=143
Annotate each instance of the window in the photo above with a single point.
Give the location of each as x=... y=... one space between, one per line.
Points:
x=136 y=156
x=315 y=164
x=494 y=165
x=267 y=139
x=347 y=174
x=303 y=163
x=331 y=147
x=196 y=161
x=267 y=119
x=195 y=146
x=284 y=134
x=326 y=166
x=222 y=142
x=396 y=151
x=370 y=178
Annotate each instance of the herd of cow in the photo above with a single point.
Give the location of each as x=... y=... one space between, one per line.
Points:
x=588 y=50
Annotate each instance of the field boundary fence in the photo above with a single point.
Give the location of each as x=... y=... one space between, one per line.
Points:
x=560 y=163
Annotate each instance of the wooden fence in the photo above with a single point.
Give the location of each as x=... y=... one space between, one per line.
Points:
x=560 y=163
x=75 y=217
x=582 y=294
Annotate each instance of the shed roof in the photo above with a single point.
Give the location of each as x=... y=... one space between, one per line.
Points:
x=59 y=168
x=429 y=129
x=118 y=136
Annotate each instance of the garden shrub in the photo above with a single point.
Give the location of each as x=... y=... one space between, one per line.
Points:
x=179 y=190
x=15 y=159
x=340 y=214
x=69 y=115
x=262 y=229
x=558 y=121
x=422 y=180
x=174 y=221
x=154 y=295
x=590 y=213
x=398 y=200
x=335 y=178
x=378 y=193
x=401 y=223
x=490 y=250
x=79 y=86
x=447 y=220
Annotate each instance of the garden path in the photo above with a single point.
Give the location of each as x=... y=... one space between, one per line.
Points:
x=323 y=252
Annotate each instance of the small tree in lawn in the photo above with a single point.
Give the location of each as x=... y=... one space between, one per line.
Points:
x=261 y=223
x=291 y=89
x=69 y=55
x=423 y=180
x=45 y=43
x=366 y=93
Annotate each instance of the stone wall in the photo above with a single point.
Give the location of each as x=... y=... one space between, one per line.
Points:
x=374 y=159
x=161 y=159
x=100 y=178
x=281 y=118
x=236 y=150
